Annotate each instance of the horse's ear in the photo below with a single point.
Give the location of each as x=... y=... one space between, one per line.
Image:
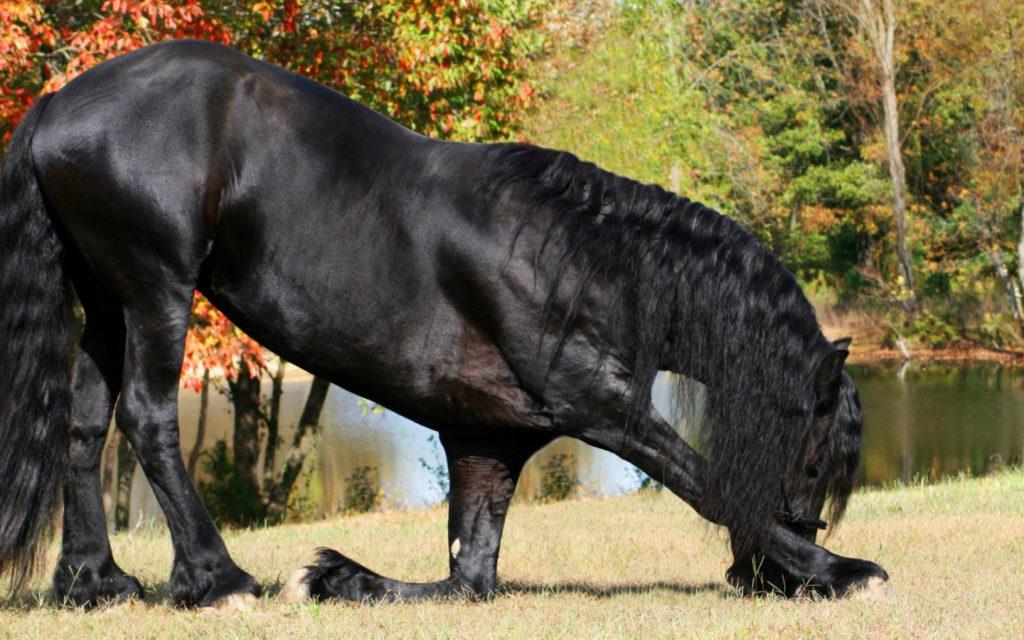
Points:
x=830 y=372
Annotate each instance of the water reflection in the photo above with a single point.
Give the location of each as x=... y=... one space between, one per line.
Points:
x=933 y=421
x=940 y=420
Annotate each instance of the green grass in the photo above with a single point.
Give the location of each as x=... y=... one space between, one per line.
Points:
x=639 y=566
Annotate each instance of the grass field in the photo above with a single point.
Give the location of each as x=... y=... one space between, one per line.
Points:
x=639 y=566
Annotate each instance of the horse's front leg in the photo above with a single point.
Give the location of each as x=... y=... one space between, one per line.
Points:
x=483 y=477
x=792 y=566
x=788 y=565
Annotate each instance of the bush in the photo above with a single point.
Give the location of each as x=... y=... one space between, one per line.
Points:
x=362 y=492
x=647 y=483
x=926 y=328
x=304 y=502
x=559 y=481
x=229 y=496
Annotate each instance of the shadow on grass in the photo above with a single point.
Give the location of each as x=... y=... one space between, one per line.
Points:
x=613 y=590
x=597 y=591
x=159 y=594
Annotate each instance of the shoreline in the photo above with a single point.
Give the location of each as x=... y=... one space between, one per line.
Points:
x=957 y=354
x=869 y=338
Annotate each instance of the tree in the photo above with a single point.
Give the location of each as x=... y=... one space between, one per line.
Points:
x=876 y=21
x=995 y=173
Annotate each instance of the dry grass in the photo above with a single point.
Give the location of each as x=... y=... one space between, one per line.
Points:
x=639 y=566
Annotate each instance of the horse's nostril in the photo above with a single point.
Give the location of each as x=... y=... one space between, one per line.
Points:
x=812 y=471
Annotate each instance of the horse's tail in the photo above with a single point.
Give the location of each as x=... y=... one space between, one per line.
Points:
x=34 y=361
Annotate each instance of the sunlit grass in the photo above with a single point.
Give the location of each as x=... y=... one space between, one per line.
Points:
x=639 y=566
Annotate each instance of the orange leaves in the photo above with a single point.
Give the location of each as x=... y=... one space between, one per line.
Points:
x=22 y=36
x=28 y=37
x=263 y=9
x=818 y=218
x=213 y=343
x=40 y=53
x=446 y=69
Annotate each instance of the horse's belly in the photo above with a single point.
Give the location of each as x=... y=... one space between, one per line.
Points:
x=421 y=360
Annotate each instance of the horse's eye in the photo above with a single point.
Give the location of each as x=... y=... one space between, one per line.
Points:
x=812 y=471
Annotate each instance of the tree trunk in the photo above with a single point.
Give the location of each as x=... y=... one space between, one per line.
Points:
x=125 y=475
x=877 y=21
x=1003 y=273
x=273 y=425
x=897 y=172
x=197 y=448
x=302 y=442
x=245 y=444
x=1020 y=246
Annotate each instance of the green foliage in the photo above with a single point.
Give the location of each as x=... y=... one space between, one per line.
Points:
x=229 y=497
x=725 y=103
x=996 y=330
x=559 y=481
x=933 y=330
x=445 y=69
x=304 y=503
x=646 y=482
x=362 y=490
x=770 y=112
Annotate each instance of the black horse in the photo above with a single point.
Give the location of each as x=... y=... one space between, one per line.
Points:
x=503 y=295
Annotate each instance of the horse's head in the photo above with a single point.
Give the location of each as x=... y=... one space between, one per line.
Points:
x=826 y=468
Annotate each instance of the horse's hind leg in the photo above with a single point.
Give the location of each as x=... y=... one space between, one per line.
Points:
x=203 y=572
x=86 y=572
x=483 y=478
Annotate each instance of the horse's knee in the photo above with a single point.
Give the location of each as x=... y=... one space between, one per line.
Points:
x=149 y=430
x=86 y=446
x=87 y=434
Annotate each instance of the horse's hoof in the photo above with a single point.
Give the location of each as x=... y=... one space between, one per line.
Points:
x=88 y=587
x=860 y=580
x=224 y=586
x=761 y=577
x=874 y=588
x=296 y=589
x=235 y=602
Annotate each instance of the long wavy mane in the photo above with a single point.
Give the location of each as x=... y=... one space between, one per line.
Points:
x=693 y=281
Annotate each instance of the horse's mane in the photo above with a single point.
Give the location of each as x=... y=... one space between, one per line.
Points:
x=689 y=277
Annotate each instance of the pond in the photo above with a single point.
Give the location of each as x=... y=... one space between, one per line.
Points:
x=929 y=421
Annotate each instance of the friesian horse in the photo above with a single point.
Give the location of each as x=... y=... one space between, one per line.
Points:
x=501 y=294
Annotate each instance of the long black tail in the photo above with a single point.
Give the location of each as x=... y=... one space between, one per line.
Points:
x=34 y=361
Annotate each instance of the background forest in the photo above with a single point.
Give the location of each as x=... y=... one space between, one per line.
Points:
x=877 y=146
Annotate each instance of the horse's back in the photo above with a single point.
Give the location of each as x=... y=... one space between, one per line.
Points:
x=165 y=149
